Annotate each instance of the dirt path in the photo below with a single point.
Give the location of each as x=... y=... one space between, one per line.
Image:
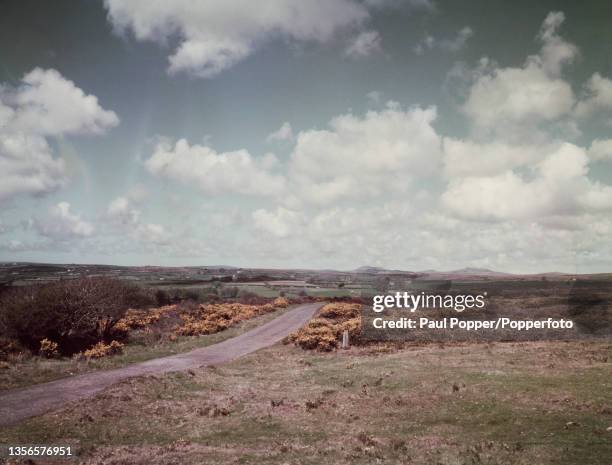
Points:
x=20 y=404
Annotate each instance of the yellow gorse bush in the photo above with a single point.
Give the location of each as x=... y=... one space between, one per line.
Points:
x=102 y=350
x=134 y=319
x=48 y=348
x=213 y=318
x=280 y=302
x=324 y=331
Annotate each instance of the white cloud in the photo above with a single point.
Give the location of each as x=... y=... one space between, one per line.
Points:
x=361 y=157
x=474 y=158
x=280 y=222
x=27 y=166
x=126 y=220
x=559 y=186
x=284 y=133
x=374 y=97
x=504 y=100
x=47 y=104
x=121 y=211
x=448 y=45
x=63 y=225
x=216 y=173
x=388 y=184
x=215 y=35
x=366 y=43
x=555 y=51
x=601 y=149
x=598 y=90
x=517 y=96
x=152 y=234
x=44 y=105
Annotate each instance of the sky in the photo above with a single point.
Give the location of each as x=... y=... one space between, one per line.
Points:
x=407 y=134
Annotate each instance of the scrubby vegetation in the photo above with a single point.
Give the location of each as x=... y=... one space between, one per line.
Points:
x=479 y=404
x=210 y=319
x=92 y=318
x=325 y=330
x=136 y=318
x=48 y=348
x=102 y=350
x=69 y=315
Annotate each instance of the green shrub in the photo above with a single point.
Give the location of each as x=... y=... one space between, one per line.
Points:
x=73 y=313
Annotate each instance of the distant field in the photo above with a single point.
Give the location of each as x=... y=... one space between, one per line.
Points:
x=271 y=289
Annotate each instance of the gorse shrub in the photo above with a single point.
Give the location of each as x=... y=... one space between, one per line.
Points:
x=324 y=331
x=103 y=350
x=48 y=348
x=210 y=319
x=280 y=302
x=135 y=318
x=74 y=314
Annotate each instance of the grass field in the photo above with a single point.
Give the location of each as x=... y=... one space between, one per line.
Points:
x=502 y=403
x=271 y=291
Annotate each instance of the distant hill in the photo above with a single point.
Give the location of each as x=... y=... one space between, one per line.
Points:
x=369 y=269
x=478 y=272
x=379 y=270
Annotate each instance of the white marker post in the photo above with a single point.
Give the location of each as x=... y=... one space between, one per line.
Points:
x=345 y=339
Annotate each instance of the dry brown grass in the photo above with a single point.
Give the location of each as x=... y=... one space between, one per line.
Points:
x=479 y=404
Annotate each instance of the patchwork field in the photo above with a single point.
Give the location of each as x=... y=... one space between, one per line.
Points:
x=501 y=403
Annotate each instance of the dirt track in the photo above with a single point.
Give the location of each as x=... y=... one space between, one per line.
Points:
x=20 y=404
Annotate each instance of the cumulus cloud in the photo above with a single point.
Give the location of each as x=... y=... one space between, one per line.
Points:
x=124 y=216
x=555 y=51
x=504 y=100
x=374 y=97
x=453 y=44
x=215 y=35
x=509 y=174
x=121 y=210
x=515 y=192
x=63 y=225
x=284 y=133
x=47 y=104
x=44 y=105
x=216 y=173
x=601 y=149
x=281 y=222
x=467 y=157
x=559 y=186
x=366 y=156
x=366 y=43
x=598 y=96
x=152 y=234
x=402 y=193
x=27 y=166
